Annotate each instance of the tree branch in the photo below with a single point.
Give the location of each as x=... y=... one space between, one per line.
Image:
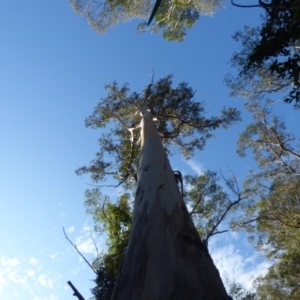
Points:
x=236 y=191
x=79 y=251
x=198 y=202
x=247 y=6
x=76 y=293
x=94 y=242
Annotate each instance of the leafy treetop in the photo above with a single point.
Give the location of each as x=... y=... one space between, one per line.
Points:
x=172 y=18
x=272 y=209
x=181 y=122
x=270 y=57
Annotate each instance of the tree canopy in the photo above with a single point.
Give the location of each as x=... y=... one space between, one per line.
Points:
x=272 y=209
x=278 y=228
x=172 y=18
x=269 y=59
x=181 y=122
x=114 y=220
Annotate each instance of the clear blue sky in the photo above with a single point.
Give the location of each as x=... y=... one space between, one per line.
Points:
x=53 y=69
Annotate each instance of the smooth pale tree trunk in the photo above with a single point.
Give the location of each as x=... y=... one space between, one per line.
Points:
x=166 y=258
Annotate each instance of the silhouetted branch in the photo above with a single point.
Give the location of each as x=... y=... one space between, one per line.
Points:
x=76 y=293
x=245 y=6
x=200 y=199
x=266 y=6
x=233 y=186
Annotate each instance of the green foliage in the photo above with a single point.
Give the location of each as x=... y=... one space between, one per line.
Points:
x=276 y=151
x=181 y=122
x=271 y=213
x=275 y=148
x=210 y=203
x=281 y=281
x=278 y=220
x=238 y=292
x=278 y=226
x=113 y=219
x=255 y=83
x=270 y=54
x=172 y=18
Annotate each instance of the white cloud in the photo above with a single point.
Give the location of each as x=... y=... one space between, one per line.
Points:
x=234 y=266
x=53 y=256
x=195 y=166
x=30 y=272
x=12 y=276
x=16 y=294
x=24 y=276
x=70 y=229
x=10 y=262
x=85 y=245
x=33 y=261
x=3 y=281
x=45 y=281
x=63 y=216
x=76 y=270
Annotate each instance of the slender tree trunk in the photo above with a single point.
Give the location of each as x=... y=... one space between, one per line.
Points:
x=166 y=258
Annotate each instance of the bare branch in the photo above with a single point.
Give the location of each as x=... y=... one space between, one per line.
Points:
x=213 y=230
x=235 y=189
x=94 y=242
x=79 y=251
x=268 y=218
x=198 y=202
x=148 y=90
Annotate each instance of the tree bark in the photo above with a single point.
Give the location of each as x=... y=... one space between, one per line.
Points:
x=166 y=258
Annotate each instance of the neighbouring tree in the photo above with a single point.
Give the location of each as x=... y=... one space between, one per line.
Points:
x=180 y=122
x=114 y=220
x=210 y=203
x=281 y=281
x=271 y=212
x=255 y=83
x=238 y=292
x=269 y=59
x=172 y=18
x=278 y=227
x=274 y=146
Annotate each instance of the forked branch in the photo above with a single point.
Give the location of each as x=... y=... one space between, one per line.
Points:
x=79 y=252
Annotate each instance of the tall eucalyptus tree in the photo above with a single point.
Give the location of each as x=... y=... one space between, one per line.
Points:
x=165 y=256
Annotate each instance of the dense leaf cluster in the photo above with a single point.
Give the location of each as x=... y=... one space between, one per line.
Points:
x=172 y=18
x=269 y=59
x=272 y=210
x=113 y=219
x=181 y=121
